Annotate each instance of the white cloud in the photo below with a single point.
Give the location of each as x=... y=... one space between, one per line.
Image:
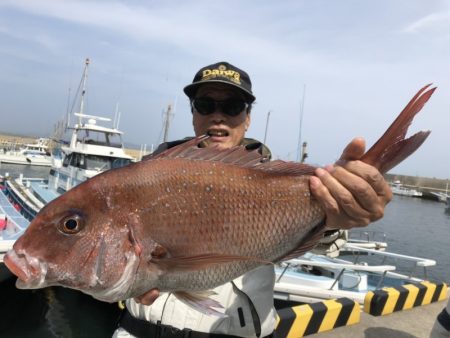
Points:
x=192 y=29
x=436 y=22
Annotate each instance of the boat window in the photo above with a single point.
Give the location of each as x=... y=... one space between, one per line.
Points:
x=81 y=161
x=75 y=160
x=120 y=162
x=67 y=160
x=57 y=152
x=102 y=139
x=98 y=163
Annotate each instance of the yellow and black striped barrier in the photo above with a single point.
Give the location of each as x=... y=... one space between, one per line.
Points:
x=302 y=320
x=389 y=300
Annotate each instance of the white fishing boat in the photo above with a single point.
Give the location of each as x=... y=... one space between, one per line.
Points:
x=440 y=196
x=399 y=189
x=92 y=148
x=323 y=273
x=312 y=278
x=37 y=154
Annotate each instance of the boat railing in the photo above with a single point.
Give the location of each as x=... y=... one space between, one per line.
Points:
x=15 y=222
x=340 y=266
x=348 y=266
x=367 y=236
x=417 y=261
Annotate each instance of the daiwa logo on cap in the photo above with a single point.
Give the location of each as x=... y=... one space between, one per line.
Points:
x=221 y=71
x=225 y=73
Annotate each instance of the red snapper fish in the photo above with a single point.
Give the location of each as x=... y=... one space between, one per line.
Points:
x=184 y=221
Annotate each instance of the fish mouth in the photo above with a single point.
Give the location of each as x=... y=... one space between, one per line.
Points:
x=30 y=271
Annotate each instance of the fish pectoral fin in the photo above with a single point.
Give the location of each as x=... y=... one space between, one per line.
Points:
x=201 y=301
x=191 y=263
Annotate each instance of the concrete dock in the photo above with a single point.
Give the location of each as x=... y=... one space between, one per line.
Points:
x=414 y=323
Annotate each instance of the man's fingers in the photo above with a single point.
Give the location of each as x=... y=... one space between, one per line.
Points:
x=354 y=150
x=346 y=189
x=351 y=192
x=148 y=298
x=359 y=193
x=323 y=195
x=375 y=182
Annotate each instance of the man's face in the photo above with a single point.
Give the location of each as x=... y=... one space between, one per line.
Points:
x=225 y=131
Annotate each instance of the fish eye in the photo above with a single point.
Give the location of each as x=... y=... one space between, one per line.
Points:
x=71 y=224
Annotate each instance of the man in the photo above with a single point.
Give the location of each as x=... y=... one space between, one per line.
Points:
x=352 y=193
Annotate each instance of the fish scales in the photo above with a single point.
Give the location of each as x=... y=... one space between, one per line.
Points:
x=222 y=208
x=214 y=211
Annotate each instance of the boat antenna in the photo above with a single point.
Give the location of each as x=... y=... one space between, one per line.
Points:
x=75 y=100
x=267 y=127
x=68 y=109
x=299 y=144
x=116 y=117
x=117 y=114
x=167 y=122
x=69 y=92
x=83 y=91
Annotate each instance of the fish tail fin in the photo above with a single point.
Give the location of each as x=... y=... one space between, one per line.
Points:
x=392 y=147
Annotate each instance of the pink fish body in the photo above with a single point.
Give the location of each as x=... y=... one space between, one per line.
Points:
x=184 y=221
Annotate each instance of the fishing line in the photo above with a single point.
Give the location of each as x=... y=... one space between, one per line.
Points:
x=164 y=306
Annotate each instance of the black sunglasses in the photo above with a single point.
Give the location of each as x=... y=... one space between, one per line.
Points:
x=207 y=106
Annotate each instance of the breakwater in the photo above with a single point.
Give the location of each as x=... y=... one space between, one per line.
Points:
x=423 y=184
x=7 y=140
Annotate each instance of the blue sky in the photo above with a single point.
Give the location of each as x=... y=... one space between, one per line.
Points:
x=359 y=61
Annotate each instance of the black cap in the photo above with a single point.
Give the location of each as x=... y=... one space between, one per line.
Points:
x=221 y=72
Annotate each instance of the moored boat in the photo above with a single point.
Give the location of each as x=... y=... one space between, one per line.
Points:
x=91 y=149
x=312 y=278
x=37 y=154
x=399 y=189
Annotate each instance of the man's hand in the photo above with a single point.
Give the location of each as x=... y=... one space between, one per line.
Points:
x=352 y=193
x=147 y=298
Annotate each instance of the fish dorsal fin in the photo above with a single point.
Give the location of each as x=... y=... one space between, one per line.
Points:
x=286 y=168
x=239 y=156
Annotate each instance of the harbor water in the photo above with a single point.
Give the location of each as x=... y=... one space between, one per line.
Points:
x=413 y=226
x=421 y=228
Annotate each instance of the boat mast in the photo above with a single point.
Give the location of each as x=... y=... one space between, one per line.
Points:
x=83 y=90
x=80 y=114
x=267 y=127
x=167 y=122
x=299 y=144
